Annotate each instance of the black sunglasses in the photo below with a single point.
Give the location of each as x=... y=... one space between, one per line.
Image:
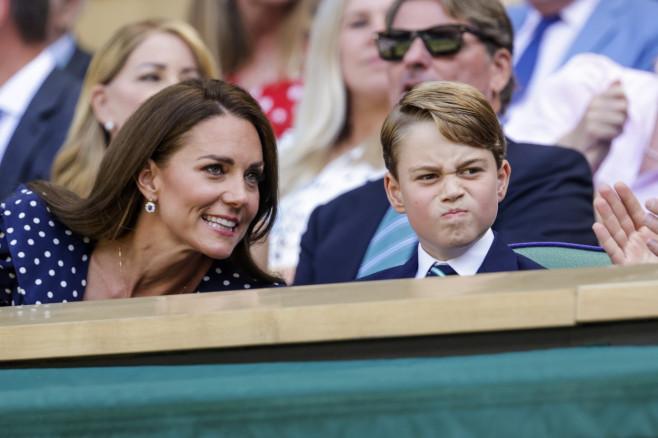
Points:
x=439 y=40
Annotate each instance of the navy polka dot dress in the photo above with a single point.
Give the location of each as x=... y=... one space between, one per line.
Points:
x=42 y=261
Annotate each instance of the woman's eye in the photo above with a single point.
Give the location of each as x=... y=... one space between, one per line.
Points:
x=151 y=77
x=254 y=177
x=214 y=169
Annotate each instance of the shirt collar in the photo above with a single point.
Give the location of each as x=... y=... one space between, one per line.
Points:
x=575 y=14
x=63 y=49
x=17 y=93
x=466 y=264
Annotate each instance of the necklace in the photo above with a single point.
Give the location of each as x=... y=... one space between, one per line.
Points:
x=123 y=285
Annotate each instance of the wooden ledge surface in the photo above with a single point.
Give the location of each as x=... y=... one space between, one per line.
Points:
x=346 y=311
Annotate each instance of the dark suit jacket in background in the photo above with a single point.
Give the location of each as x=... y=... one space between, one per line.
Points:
x=40 y=132
x=79 y=63
x=549 y=199
x=499 y=258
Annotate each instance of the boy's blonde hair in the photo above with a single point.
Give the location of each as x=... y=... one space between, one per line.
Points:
x=461 y=114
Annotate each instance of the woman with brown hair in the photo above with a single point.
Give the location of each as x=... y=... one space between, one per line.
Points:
x=186 y=186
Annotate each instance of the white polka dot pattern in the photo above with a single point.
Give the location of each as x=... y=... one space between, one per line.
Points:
x=47 y=262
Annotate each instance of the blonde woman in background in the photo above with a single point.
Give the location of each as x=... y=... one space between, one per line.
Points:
x=335 y=143
x=260 y=45
x=139 y=60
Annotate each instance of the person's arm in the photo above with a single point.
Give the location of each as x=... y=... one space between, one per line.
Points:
x=7 y=273
x=602 y=122
x=623 y=229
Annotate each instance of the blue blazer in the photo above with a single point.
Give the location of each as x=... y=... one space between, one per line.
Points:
x=40 y=132
x=623 y=30
x=549 y=198
x=500 y=258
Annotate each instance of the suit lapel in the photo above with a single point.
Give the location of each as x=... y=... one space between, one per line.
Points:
x=598 y=30
x=29 y=136
x=366 y=217
x=500 y=258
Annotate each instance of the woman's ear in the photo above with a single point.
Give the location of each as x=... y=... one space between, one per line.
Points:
x=147 y=180
x=394 y=193
x=100 y=107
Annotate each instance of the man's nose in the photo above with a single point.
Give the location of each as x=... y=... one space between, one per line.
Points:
x=417 y=53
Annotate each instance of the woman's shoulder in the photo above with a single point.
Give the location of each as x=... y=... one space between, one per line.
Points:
x=24 y=209
x=48 y=261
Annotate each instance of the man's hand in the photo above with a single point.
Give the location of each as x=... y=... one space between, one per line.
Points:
x=602 y=122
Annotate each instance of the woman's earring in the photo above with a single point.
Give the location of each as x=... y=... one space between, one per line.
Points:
x=108 y=126
x=150 y=207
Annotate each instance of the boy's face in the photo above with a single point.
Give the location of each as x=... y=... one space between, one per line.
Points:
x=449 y=191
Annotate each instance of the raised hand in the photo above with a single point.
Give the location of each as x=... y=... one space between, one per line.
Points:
x=627 y=233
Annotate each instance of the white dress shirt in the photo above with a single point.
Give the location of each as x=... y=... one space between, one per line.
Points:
x=17 y=93
x=466 y=264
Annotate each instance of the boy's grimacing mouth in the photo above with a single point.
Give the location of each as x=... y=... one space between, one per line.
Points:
x=454 y=212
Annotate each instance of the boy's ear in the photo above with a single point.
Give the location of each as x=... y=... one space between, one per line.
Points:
x=393 y=193
x=147 y=180
x=503 y=179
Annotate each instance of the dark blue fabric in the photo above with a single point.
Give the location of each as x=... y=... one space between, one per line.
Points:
x=40 y=132
x=500 y=258
x=445 y=269
x=42 y=261
x=79 y=63
x=549 y=199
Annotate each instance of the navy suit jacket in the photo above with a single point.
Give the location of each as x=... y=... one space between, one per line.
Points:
x=499 y=258
x=40 y=132
x=623 y=30
x=79 y=63
x=549 y=198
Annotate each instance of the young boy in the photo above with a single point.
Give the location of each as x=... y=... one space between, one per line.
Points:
x=445 y=154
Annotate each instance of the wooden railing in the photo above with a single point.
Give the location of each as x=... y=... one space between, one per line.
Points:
x=333 y=315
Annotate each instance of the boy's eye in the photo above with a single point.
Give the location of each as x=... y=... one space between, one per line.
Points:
x=428 y=177
x=472 y=171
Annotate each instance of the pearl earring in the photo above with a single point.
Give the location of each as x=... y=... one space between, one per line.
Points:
x=108 y=126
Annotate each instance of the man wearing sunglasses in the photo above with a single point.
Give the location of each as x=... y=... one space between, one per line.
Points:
x=550 y=192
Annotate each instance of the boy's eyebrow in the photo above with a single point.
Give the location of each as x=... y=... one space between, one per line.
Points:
x=469 y=162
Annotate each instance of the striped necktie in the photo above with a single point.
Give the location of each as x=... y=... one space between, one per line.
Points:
x=526 y=63
x=440 y=270
x=392 y=244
